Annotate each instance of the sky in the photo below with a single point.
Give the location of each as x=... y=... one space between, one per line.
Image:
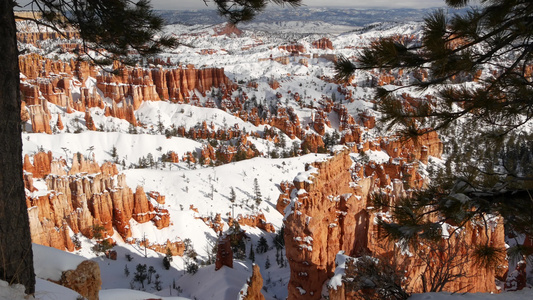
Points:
x=198 y=4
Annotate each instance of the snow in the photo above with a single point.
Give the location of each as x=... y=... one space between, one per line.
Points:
x=49 y=263
x=524 y=294
x=340 y=270
x=225 y=283
x=11 y=292
x=306 y=176
x=124 y=294
x=46 y=290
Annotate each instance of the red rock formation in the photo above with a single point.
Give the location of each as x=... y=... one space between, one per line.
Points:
x=142 y=206
x=258 y=221
x=323 y=43
x=516 y=280
x=326 y=211
x=224 y=253
x=157 y=197
x=294 y=48
x=287 y=121
x=320 y=121
x=41 y=164
x=313 y=143
x=89 y=121
x=36 y=38
x=274 y=84
x=158 y=83
x=255 y=284
x=227 y=29
x=427 y=144
x=369 y=121
x=85 y=279
x=59 y=123
x=176 y=248
x=40 y=120
x=214 y=223
x=24 y=113
x=90 y=195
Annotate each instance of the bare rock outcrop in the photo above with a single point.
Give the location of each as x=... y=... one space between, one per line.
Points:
x=90 y=195
x=255 y=284
x=323 y=43
x=224 y=253
x=326 y=212
x=85 y=279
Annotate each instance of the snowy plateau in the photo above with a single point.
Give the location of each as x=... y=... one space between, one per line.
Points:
x=222 y=141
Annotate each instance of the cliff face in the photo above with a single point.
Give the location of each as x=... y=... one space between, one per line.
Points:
x=89 y=195
x=325 y=211
x=320 y=221
x=49 y=80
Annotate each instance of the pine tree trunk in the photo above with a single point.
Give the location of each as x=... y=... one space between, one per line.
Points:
x=16 y=256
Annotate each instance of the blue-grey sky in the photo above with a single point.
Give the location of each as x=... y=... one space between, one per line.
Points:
x=198 y=4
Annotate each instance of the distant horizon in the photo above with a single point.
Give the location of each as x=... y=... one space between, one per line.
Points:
x=318 y=7
x=335 y=4
x=376 y=4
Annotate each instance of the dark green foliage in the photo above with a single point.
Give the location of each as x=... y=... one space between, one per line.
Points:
x=244 y=10
x=452 y=50
x=279 y=240
x=167 y=259
x=151 y=271
x=100 y=28
x=257 y=193
x=236 y=235
x=189 y=249
x=489 y=164
x=251 y=256
x=166 y=263
x=262 y=245
x=232 y=195
x=157 y=283
x=140 y=274
x=372 y=278
x=191 y=267
x=267 y=263
x=102 y=245
x=487 y=256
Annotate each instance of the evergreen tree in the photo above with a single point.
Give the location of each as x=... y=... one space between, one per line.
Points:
x=262 y=245
x=279 y=240
x=191 y=267
x=151 y=271
x=140 y=274
x=232 y=196
x=126 y=271
x=267 y=263
x=257 y=193
x=167 y=259
x=157 y=283
x=454 y=50
x=251 y=256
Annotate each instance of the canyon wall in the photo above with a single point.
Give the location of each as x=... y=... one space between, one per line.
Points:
x=55 y=81
x=83 y=197
x=326 y=211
